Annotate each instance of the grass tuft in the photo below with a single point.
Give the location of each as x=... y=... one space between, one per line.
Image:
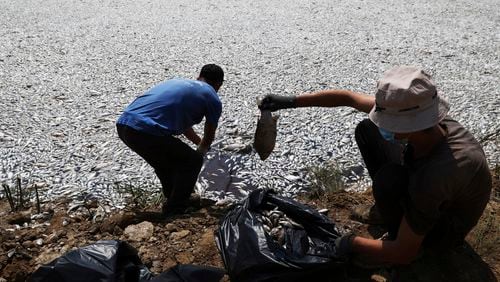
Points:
x=325 y=179
x=139 y=196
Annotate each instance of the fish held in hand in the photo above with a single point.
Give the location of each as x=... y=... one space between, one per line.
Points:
x=265 y=134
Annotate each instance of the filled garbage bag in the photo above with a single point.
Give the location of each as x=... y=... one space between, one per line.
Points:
x=103 y=261
x=267 y=237
x=190 y=273
x=116 y=261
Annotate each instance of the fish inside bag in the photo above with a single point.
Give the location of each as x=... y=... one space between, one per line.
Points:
x=265 y=134
x=302 y=250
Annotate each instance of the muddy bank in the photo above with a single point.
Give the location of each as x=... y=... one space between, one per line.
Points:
x=29 y=240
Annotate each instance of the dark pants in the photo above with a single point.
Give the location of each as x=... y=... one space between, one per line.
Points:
x=175 y=163
x=389 y=176
x=390 y=187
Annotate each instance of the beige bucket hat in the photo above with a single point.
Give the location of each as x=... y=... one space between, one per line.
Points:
x=407 y=101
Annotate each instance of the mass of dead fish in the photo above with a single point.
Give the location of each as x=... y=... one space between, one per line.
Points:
x=57 y=123
x=275 y=222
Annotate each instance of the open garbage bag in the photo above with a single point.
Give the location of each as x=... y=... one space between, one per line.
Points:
x=253 y=250
x=116 y=261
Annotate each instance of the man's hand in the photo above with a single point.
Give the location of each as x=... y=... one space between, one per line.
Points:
x=343 y=245
x=202 y=149
x=208 y=138
x=276 y=102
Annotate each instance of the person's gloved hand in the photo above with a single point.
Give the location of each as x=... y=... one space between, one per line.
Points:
x=276 y=102
x=343 y=245
x=202 y=149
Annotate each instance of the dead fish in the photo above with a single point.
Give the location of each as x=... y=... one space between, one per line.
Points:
x=238 y=147
x=323 y=211
x=265 y=134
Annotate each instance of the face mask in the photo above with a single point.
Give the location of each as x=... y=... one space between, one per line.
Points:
x=389 y=136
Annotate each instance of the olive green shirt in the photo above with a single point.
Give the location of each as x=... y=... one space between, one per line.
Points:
x=453 y=182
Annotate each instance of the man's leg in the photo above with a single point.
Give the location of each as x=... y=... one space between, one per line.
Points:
x=185 y=174
x=375 y=150
x=154 y=150
x=166 y=177
x=376 y=153
x=390 y=187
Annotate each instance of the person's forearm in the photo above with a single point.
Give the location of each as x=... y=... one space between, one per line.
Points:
x=336 y=98
x=206 y=141
x=208 y=137
x=382 y=251
x=192 y=136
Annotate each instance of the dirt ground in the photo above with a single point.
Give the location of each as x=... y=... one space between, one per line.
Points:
x=28 y=242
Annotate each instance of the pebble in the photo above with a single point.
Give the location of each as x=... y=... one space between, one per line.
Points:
x=175 y=236
x=28 y=244
x=62 y=88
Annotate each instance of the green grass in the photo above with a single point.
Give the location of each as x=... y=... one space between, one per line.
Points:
x=326 y=178
x=139 y=195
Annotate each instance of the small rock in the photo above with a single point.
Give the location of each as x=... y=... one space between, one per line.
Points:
x=170 y=227
x=39 y=242
x=65 y=222
x=28 y=244
x=139 y=232
x=206 y=240
x=377 y=278
x=179 y=235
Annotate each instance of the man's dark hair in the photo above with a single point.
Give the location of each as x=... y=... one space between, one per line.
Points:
x=212 y=73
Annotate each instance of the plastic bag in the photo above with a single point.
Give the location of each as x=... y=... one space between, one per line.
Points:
x=250 y=253
x=191 y=273
x=116 y=261
x=103 y=261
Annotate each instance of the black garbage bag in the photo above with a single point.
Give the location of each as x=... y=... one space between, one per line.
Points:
x=116 y=261
x=190 y=273
x=250 y=253
x=103 y=261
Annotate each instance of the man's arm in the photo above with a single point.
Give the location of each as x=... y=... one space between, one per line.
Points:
x=192 y=136
x=324 y=98
x=400 y=251
x=208 y=137
x=336 y=98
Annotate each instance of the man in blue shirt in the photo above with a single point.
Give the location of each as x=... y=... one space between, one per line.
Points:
x=150 y=123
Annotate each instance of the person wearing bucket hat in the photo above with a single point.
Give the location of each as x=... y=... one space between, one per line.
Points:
x=430 y=178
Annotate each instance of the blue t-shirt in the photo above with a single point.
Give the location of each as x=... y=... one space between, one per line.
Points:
x=172 y=107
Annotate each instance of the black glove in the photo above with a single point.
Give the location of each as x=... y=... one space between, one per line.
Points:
x=343 y=245
x=276 y=102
